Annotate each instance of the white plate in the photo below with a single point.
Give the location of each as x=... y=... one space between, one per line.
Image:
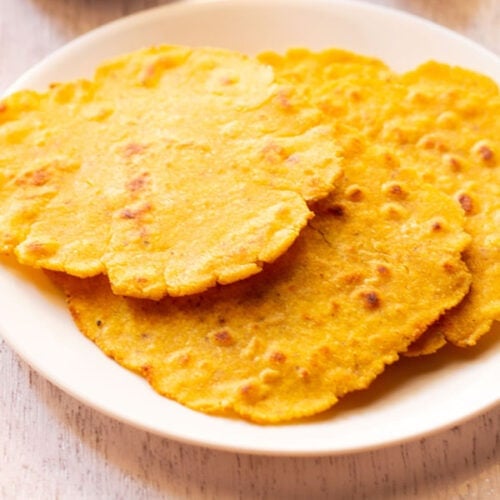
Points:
x=413 y=397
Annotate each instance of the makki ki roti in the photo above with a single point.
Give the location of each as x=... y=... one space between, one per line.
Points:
x=460 y=152
x=445 y=121
x=380 y=261
x=342 y=84
x=172 y=170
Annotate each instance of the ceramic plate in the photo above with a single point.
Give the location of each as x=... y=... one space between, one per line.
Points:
x=413 y=398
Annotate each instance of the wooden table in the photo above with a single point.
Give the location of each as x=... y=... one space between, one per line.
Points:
x=51 y=446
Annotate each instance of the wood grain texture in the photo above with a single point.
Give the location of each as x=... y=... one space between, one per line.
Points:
x=51 y=446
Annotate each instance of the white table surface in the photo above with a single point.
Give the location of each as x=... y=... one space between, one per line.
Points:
x=53 y=447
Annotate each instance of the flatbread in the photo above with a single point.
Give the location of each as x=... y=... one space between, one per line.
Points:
x=445 y=122
x=449 y=124
x=364 y=279
x=172 y=170
x=345 y=86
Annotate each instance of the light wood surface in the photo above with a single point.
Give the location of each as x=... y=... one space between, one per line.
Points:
x=53 y=447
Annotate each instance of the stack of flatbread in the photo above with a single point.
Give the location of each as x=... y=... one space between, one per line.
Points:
x=260 y=236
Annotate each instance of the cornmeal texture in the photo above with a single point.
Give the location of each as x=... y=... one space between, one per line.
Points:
x=442 y=121
x=448 y=123
x=378 y=264
x=172 y=170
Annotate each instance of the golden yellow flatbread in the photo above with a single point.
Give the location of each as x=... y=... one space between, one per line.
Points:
x=379 y=263
x=448 y=123
x=445 y=122
x=172 y=170
x=345 y=86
